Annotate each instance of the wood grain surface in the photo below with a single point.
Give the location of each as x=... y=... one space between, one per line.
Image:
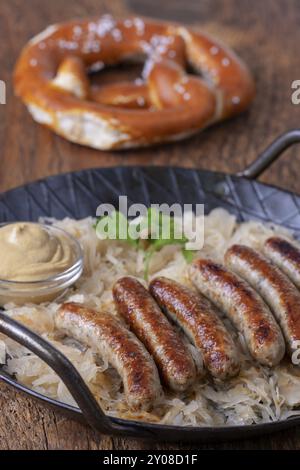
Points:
x=267 y=35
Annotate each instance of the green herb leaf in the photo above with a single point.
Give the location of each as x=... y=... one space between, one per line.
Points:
x=115 y=227
x=159 y=230
x=188 y=255
x=158 y=239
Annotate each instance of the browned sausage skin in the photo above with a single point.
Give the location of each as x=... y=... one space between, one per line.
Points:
x=138 y=308
x=286 y=256
x=201 y=323
x=108 y=337
x=276 y=289
x=243 y=306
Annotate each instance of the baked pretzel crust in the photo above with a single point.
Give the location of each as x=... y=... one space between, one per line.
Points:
x=52 y=78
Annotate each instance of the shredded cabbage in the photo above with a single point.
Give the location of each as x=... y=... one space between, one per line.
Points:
x=257 y=395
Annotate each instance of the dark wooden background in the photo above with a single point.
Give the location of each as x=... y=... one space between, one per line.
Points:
x=267 y=35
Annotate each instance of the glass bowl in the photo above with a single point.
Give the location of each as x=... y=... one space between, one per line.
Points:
x=47 y=289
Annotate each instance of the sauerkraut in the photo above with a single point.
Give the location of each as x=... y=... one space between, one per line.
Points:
x=257 y=395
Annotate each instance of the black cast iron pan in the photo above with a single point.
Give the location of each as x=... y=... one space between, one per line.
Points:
x=78 y=194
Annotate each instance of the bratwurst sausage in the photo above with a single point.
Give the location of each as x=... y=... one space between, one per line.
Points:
x=244 y=308
x=108 y=337
x=276 y=289
x=286 y=256
x=139 y=309
x=201 y=323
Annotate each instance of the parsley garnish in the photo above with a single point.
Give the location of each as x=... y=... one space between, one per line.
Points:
x=163 y=231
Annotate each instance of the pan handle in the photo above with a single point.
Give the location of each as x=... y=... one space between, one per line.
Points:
x=270 y=154
x=88 y=405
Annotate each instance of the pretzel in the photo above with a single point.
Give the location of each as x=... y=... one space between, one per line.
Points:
x=168 y=103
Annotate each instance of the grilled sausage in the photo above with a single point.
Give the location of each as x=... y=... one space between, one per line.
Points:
x=276 y=289
x=201 y=323
x=243 y=306
x=108 y=337
x=138 y=308
x=286 y=255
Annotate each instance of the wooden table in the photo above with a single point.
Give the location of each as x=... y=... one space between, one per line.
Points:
x=267 y=35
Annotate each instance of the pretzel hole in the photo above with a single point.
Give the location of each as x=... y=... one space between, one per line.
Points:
x=120 y=85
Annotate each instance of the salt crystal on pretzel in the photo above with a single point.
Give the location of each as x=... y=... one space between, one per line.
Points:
x=52 y=78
